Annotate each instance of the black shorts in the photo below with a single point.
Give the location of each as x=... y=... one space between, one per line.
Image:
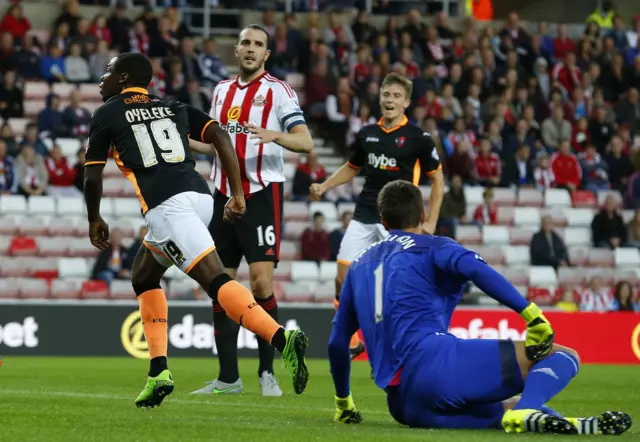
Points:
x=256 y=236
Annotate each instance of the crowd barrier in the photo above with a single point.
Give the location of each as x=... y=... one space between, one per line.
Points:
x=97 y=328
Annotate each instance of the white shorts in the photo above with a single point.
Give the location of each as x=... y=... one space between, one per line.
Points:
x=358 y=237
x=178 y=230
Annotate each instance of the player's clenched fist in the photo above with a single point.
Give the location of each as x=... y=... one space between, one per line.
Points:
x=235 y=208
x=540 y=335
x=99 y=234
x=315 y=192
x=346 y=411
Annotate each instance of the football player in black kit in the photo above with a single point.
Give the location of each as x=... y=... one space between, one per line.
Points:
x=150 y=141
x=392 y=149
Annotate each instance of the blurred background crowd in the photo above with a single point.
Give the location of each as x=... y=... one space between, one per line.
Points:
x=508 y=106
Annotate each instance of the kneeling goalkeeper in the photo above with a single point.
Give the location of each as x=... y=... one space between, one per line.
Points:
x=402 y=292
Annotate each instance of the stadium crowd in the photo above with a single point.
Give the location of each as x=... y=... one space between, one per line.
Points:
x=506 y=107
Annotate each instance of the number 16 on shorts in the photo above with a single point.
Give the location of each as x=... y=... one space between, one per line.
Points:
x=266 y=236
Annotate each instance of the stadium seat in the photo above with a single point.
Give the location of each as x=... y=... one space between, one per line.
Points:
x=283 y=271
x=530 y=197
x=33 y=288
x=23 y=246
x=626 y=257
x=69 y=146
x=473 y=195
x=10 y=224
x=81 y=247
x=346 y=207
x=41 y=205
x=542 y=276
x=300 y=291
x=557 y=198
x=526 y=216
x=627 y=215
x=606 y=274
x=44 y=268
x=13 y=267
x=94 y=289
x=576 y=236
x=584 y=199
x=579 y=255
x=287 y=189
x=495 y=235
x=504 y=196
x=125 y=207
x=111 y=170
x=327 y=209
x=288 y=250
x=289 y=170
x=506 y=215
x=19 y=125
x=579 y=217
x=468 y=234
x=63 y=89
x=295 y=80
x=53 y=246
x=113 y=187
x=72 y=268
x=516 y=275
x=600 y=258
x=9 y=288
x=243 y=270
x=358 y=184
x=603 y=194
x=304 y=271
x=183 y=289
x=328 y=271
x=494 y=255
x=203 y=168
x=516 y=255
x=12 y=204
x=293 y=229
x=521 y=235
x=66 y=288
x=90 y=92
x=36 y=90
x=557 y=215
x=570 y=277
x=296 y=211
x=631 y=275
x=35 y=225
x=5 y=242
x=69 y=206
x=120 y=289
x=325 y=292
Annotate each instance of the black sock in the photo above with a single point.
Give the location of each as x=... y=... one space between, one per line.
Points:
x=265 y=349
x=279 y=340
x=157 y=365
x=225 y=332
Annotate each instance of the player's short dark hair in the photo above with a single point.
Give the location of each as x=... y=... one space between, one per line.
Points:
x=400 y=80
x=317 y=215
x=400 y=205
x=137 y=66
x=256 y=27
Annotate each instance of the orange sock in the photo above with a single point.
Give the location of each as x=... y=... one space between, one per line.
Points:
x=154 y=312
x=355 y=340
x=241 y=306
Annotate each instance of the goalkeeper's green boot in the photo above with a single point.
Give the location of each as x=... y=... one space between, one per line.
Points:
x=535 y=421
x=293 y=356
x=156 y=390
x=609 y=423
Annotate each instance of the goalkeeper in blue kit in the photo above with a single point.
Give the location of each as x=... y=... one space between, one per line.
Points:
x=402 y=292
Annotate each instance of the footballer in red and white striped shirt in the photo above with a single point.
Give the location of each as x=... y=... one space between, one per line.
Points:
x=262 y=116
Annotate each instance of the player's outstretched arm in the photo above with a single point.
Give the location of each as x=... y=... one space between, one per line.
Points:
x=343 y=175
x=435 y=200
x=458 y=260
x=297 y=140
x=98 y=229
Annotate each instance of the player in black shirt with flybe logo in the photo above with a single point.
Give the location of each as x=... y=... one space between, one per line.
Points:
x=392 y=149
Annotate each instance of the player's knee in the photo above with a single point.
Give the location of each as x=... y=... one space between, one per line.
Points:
x=262 y=287
x=216 y=284
x=569 y=352
x=141 y=284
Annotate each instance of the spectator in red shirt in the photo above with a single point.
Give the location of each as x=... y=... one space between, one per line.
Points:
x=100 y=30
x=461 y=133
x=431 y=104
x=362 y=69
x=315 y=241
x=568 y=73
x=308 y=173
x=406 y=59
x=61 y=174
x=562 y=44
x=543 y=174
x=581 y=137
x=15 y=23
x=566 y=168
x=486 y=213
x=461 y=163
x=487 y=164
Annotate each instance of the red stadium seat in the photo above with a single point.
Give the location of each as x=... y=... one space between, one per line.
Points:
x=23 y=246
x=584 y=198
x=44 y=268
x=94 y=289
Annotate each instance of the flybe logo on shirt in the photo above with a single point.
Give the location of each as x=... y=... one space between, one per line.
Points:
x=236 y=128
x=383 y=162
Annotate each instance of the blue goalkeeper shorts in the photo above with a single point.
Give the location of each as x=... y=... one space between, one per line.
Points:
x=456 y=383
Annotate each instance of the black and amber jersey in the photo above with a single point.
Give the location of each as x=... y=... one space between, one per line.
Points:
x=150 y=140
x=384 y=155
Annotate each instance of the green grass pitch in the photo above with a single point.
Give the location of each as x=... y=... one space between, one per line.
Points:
x=91 y=399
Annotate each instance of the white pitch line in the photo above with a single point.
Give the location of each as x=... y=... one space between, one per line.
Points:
x=71 y=394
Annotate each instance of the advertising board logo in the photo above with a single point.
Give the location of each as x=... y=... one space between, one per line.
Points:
x=234 y=113
x=16 y=334
x=132 y=336
x=635 y=341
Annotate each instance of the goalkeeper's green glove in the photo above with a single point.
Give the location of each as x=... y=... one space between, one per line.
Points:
x=346 y=411
x=539 y=341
